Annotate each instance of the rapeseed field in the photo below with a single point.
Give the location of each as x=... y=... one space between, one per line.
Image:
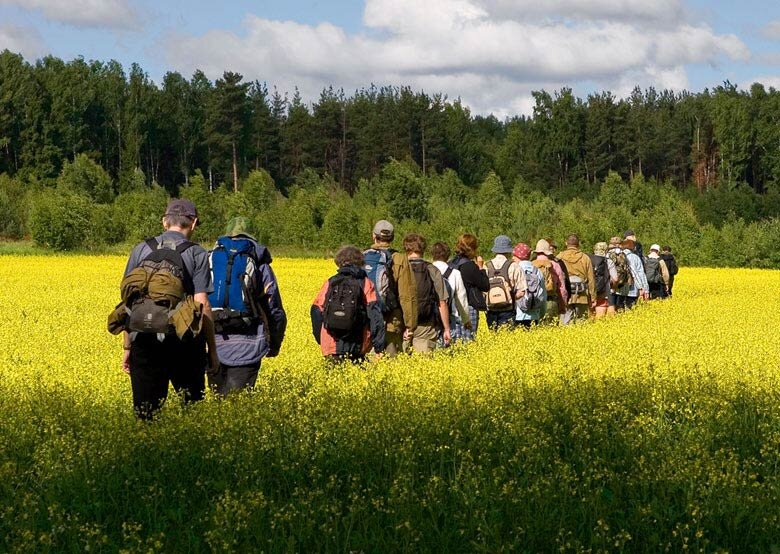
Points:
x=658 y=430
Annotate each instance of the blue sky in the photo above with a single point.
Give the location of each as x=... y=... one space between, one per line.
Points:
x=491 y=53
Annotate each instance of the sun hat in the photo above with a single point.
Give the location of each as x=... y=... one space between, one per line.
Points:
x=543 y=247
x=600 y=249
x=614 y=242
x=655 y=247
x=502 y=245
x=522 y=251
x=384 y=230
x=240 y=226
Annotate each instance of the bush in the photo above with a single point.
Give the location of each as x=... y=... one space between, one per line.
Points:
x=140 y=212
x=84 y=176
x=60 y=219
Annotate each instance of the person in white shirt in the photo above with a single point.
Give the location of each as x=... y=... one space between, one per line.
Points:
x=460 y=318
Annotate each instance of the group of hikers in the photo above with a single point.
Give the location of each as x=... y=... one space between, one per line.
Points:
x=186 y=313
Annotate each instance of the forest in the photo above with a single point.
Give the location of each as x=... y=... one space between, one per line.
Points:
x=108 y=143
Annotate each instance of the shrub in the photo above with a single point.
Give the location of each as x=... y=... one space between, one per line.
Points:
x=85 y=176
x=60 y=219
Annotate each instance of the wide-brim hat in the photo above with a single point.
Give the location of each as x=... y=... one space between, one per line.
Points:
x=502 y=245
x=240 y=226
x=600 y=249
x=615 y=242
x=543 y=247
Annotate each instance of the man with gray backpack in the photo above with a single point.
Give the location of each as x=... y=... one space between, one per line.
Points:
x=657 y=273
x=249 y=318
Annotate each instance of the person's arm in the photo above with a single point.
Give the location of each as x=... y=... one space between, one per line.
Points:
x=613 y=275
x=126 y=352
x=316 y=312
x=560 y=284
x=517 y=277
x=208 y=330
x=664 y=272
x=638 y=272
x=441 y=293
x=591 y=282
x=272 y=302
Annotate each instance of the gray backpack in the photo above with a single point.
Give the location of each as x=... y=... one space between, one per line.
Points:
x=653 y=271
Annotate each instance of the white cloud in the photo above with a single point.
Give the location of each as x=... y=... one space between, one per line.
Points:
x=771 y=30
x=484 y=51
x=21 y=40
x=768 y=81
x=113 y=14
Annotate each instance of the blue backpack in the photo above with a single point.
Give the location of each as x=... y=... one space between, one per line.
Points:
x=378 y=264
x=235 y=276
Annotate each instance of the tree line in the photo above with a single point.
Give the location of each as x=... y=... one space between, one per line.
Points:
x=52 y=110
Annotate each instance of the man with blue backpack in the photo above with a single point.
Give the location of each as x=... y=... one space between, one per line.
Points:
x=396 y=287
x=249 y=318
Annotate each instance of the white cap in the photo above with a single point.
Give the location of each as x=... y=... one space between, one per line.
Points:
x=655 y=247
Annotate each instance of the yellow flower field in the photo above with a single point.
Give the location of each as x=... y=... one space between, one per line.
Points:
x=655 y=430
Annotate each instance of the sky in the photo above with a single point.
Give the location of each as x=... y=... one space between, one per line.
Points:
x=490 y=53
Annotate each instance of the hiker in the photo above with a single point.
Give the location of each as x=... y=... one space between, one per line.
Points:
x=165 y=315
x=391 y=274
x=582 y=279
x=530 y=309
x=433 y=317
x=671 y=265
x=638 y=250
x=636 y=287
x=458 y=306
x=562 y=266
x=507 y=284
x=605 y=273
x=618 y=263
x=657 y=273
x=557 y=295
x=476 y=281
x=345 y=316
x=249 y=319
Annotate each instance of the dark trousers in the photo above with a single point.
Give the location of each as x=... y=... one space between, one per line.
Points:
x=234 y=378
x=154 y=364
x=624 y=302
x=499 y=319
x=657 y=290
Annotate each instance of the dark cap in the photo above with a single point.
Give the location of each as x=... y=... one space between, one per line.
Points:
x=629 y=233
x=182 y=207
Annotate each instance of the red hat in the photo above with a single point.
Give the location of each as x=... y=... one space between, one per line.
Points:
x=522 y=251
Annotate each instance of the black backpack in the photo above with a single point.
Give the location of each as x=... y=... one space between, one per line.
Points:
x=344 y=312
x=427 y=299
x=601 y=271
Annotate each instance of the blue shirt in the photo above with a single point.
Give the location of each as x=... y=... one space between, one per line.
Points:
x=637 y=268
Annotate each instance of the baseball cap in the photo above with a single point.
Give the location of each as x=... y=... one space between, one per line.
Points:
x=183 y=207
x=384 y=230
x=656 y=248
x=239 y=226
x=629 y=233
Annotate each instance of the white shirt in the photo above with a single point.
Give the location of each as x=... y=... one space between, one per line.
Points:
x=458 y=292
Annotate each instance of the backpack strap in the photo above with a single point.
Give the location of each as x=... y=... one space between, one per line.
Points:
x=152 y=243
x=447 y=273
x=184 y=246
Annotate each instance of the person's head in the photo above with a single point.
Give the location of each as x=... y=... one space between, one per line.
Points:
x=655 y=248
x=667 y=249
x=521 y=252
x=383 y=232
x=182 y=216
x=415 y=244
x=614 y=242
x=543 y=247
x=240 y=226
x=502 y=245
x=629 y=234
x=600 y=249
x=467 y=246
x=553 y=246
x=628 y=244
x=348 y=256
x=573 y=241
x=440 y=252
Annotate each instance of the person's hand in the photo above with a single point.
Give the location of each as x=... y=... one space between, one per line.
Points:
x=213 y=367
x=480 y=261
x=408 y=334
x=379 y=356
x=469 y=326
x=447 y=337
x=126 y=361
